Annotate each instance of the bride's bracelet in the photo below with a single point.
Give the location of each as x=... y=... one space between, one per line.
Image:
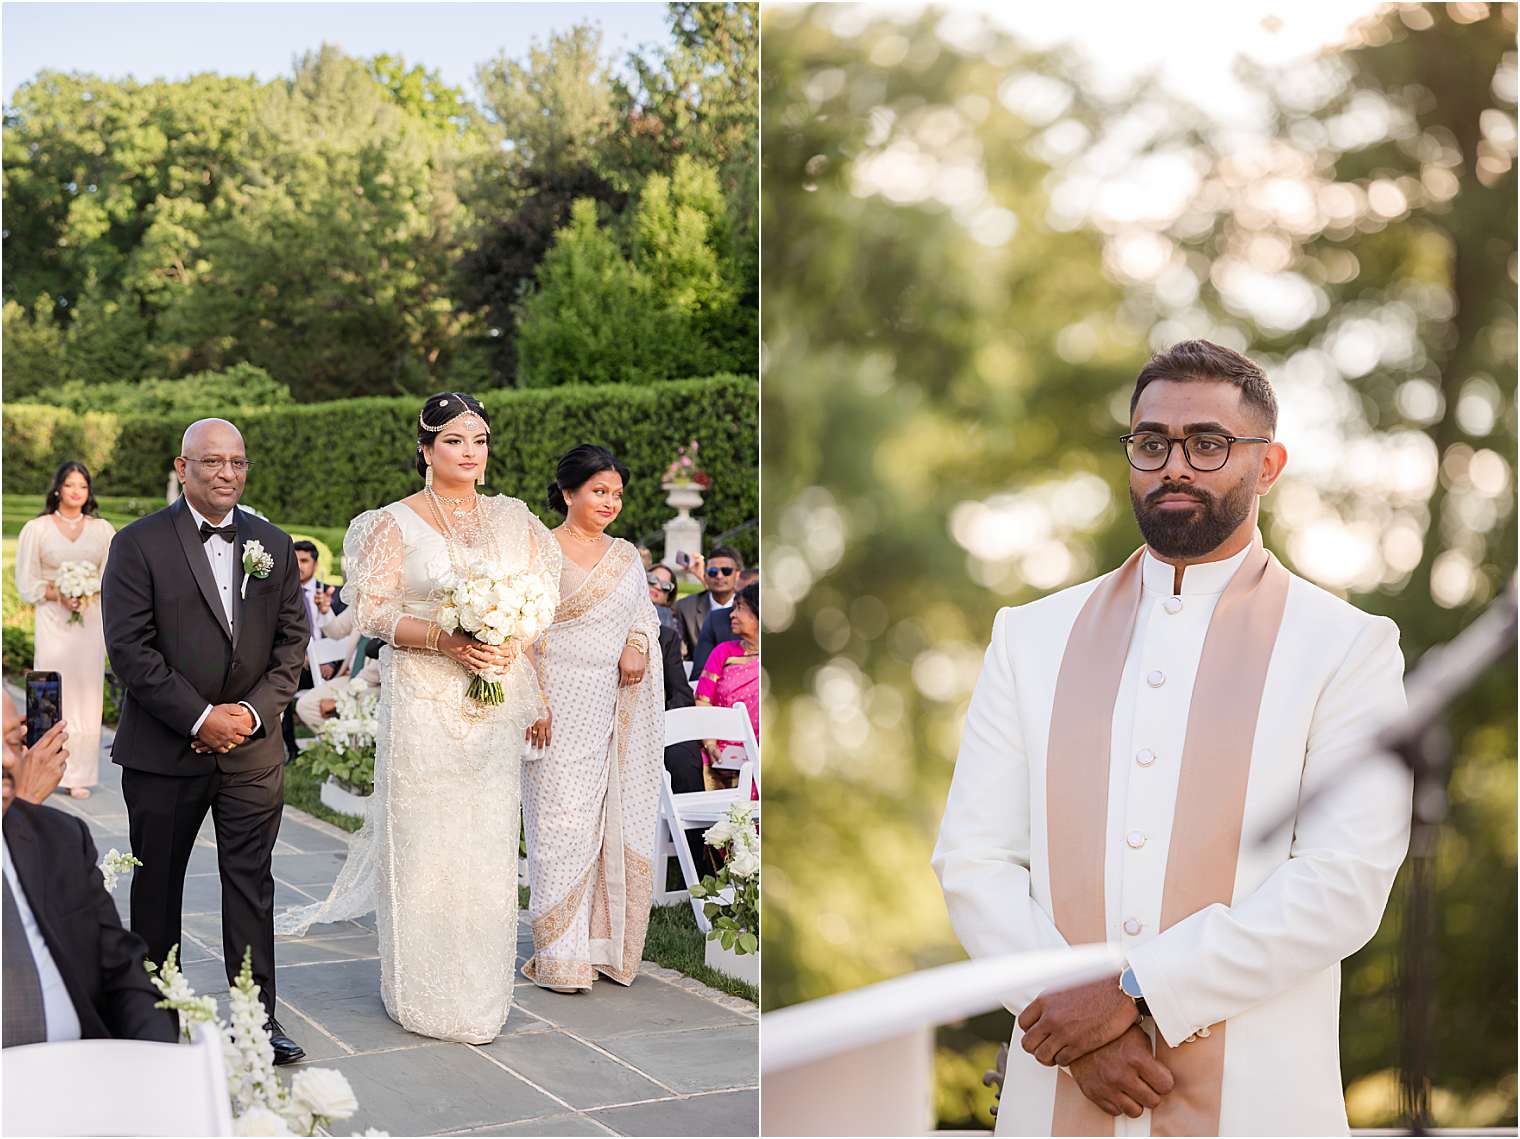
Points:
x=435 y=631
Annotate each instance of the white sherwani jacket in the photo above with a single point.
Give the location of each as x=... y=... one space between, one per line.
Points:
x=1304 y=899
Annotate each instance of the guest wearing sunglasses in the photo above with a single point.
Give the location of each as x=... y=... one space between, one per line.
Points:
x=662 y=591
x=721 y=576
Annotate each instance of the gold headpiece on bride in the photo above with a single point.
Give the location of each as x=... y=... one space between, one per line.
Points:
x=471 y=422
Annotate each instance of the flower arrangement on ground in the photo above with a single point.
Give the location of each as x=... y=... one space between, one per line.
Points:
x=683 y=468
x=494 y=605
x=79 y=581
x=261 y=1103
x=733 y=907
x=345 y=747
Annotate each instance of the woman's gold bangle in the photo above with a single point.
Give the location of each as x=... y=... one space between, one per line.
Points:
x=638 y=641
x=434 y=633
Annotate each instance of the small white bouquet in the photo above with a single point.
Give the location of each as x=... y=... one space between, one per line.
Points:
x=495 y=605
x=79 y=581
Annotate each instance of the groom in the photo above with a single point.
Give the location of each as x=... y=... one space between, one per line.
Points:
x=209 y=656
x=1130 y=748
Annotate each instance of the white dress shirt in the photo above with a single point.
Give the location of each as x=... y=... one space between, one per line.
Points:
x=222 y=557
x=57 y=1006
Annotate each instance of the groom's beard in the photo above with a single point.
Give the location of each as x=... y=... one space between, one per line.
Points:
x=1192 y=534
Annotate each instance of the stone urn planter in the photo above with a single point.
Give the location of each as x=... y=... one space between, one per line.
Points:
x=683 y=533
x=343 y=798
x=740 y=966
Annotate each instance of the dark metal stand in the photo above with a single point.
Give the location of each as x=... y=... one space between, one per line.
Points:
x=1422 y=741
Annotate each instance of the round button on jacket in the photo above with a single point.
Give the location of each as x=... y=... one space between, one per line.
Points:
x=1145 y=757
x=1172 y=604
x=1132 y=926
x=1135 y=839
x=1155 y=678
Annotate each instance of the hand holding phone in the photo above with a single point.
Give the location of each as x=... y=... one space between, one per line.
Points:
x=44 y=704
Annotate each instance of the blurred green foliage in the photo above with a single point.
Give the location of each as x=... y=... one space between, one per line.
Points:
x=965 y=268
x=360 y=227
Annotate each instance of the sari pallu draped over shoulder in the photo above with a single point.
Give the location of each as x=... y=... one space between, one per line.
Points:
x=591 y=797
x=1206 y=831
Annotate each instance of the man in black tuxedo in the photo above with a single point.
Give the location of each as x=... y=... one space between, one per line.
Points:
x=71 y=971
x=209 y=657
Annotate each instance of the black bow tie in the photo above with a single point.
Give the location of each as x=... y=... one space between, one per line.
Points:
x=227 y=533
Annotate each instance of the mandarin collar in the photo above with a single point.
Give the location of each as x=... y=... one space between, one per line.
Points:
x=1200 y=579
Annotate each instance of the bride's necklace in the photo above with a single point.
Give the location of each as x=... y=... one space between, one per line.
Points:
x=460 y=507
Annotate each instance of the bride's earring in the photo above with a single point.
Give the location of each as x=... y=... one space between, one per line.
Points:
x=480 y=479
x=428 y=478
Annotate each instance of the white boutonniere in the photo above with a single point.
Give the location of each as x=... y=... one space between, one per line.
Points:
x=256 y=563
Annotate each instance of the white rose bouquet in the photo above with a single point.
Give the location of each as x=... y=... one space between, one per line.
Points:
x=79 y=581
x=495 y=605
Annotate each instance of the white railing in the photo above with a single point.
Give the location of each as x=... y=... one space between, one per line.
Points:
x=862 y=1062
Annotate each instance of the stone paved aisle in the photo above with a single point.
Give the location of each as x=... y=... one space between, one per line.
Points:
x=666 y=1056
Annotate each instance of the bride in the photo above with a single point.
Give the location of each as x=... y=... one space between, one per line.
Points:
x=436 y=858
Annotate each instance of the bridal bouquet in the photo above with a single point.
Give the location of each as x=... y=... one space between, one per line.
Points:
x=79 y=580
x=261 y=1103
x=494 y=605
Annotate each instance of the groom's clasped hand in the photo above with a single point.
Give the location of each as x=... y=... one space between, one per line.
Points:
x=1093 y=1031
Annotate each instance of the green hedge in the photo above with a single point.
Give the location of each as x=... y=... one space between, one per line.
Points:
x=324 y=463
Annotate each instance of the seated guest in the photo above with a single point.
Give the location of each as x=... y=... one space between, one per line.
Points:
x=321 y=703
x=323 y=607
x=720 y=573
x=662 y=591
x=732 y=676
x=70 y=970
x=716 y=629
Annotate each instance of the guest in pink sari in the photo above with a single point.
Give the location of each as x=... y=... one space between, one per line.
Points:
x=731 y=675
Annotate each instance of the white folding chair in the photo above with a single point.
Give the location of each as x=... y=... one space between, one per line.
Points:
x=134 y=1087
x=692 y=809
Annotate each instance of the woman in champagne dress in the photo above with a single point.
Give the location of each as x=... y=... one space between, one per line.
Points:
x=437 y=855
x=591 y=783
x=69 y=529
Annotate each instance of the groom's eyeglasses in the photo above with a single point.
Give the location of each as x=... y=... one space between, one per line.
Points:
x=1204 y=451
x=212 y=466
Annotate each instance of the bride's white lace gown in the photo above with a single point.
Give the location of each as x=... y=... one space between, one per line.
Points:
x=437 y=856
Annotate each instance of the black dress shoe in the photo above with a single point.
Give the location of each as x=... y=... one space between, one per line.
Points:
x=286 y=1050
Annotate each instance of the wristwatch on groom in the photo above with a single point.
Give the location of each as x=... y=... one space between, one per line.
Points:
x=1131 y=989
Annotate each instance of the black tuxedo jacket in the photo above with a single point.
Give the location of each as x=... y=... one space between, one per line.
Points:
x=171 y=647
x=101 y=963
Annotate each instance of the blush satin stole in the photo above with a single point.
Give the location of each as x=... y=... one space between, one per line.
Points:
x=1211 y=791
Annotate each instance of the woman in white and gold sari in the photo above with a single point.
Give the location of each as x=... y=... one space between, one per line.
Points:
x=591 y=784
